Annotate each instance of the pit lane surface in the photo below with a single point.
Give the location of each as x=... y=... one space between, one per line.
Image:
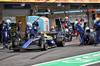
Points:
x=36 y=56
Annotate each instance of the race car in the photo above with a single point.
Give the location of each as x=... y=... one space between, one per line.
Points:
x=42 y=41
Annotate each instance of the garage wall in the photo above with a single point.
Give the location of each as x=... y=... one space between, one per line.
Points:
x=15 y=12
x=53 y=17
x=72 y=17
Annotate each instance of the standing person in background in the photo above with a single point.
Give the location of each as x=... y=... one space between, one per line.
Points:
x=66 y=22
x=18 y=33
x=35 y=26
x=81 y=32
x=75 y=28
x=82 y=23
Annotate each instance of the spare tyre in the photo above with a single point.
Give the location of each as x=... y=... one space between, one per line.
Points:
x=91 y=39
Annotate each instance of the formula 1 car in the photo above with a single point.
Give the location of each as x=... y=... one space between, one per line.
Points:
x=41 y=41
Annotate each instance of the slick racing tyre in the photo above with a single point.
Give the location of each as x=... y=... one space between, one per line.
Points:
x=15 y=44
x=60 y=41
x=91 y=39
x=43 y=43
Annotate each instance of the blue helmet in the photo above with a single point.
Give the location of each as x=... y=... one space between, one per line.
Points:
x=97 y=19
x=75 y=22
x=66 y=30
x=29 y=24
x=8 y=21
x=91 y=31
x=94 y=21
x=87 y=28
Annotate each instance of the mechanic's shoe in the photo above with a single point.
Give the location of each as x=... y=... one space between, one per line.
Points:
x=4 y=48
x=81 y=45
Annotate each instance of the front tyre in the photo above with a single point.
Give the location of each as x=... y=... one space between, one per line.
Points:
x=43 y=43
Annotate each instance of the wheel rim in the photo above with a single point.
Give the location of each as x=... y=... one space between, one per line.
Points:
x=62 y=42
x=46 y=46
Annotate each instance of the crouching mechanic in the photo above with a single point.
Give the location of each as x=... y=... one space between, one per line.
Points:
x=86 y=37
x=28 y=29
x=97 y=28
x=5 y=28
x=52 y=29
x=81 y=32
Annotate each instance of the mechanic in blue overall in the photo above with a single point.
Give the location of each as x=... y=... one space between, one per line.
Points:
x=18 y=33
x=67 y=23
x=97 y=28
x=52 y=29
x=81 y=32
x=35 y=26
x=28 y=29
x=5 y=28
x=82 y=22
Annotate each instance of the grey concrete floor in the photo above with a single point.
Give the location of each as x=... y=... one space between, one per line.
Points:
x=36 y=56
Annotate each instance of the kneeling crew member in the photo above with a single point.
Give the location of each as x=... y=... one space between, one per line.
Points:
x=52 y=29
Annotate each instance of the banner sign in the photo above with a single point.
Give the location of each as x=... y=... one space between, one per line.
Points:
x=16 y=6
x=61 y=1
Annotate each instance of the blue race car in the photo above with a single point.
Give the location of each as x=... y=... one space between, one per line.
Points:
x=41 y=41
